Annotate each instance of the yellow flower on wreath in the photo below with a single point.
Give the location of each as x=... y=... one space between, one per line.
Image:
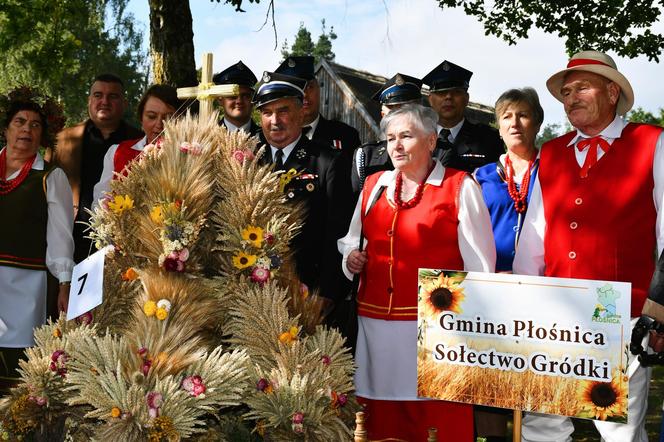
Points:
x=254 y=235
x=161 y=313
x=150 y=308
x=243 y=260
x=443 y=294
x=157 y=214
x=115 y=412
x=602 y=400
x=288 y=337
x=120 y=203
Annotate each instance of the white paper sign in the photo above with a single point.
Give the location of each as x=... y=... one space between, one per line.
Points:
x=87 y=284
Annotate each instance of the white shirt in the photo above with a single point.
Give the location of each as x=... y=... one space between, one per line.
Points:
x=232 y=128
x=314 y=125
x=454 y=131
x=529 y=258
x=107 y=174
x=286 y=150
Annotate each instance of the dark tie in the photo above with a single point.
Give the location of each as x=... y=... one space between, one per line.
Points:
x=279 y=160
x=443 y=145
x=306 y=130
x=445 y=136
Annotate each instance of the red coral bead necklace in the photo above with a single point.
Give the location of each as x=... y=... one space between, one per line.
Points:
x=520 y=197
x=6 y=186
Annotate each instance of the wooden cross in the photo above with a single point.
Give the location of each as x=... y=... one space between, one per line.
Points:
x=206 y=92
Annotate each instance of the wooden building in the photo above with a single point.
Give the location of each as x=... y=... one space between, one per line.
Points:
x=346 y=96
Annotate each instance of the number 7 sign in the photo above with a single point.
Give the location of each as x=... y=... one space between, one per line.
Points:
x=87 y=284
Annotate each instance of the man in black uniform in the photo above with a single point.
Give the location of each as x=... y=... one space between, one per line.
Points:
x=333 y=133
x=237 y=109
x=315 y=180
x=372 y=157
x=464 y=145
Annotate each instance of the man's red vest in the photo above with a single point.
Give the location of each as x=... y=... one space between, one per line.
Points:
x=401 y=241
x=602 y=227
x=124 y=154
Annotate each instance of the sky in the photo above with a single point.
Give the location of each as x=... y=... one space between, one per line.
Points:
x=407 y=36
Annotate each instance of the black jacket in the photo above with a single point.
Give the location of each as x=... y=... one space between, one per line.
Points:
x=323 y=185
x=474 y=146
x=327 y=131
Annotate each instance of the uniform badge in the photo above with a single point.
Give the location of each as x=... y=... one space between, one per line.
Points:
x=336 y=144
x=310 y=187
x=300 y=154
x=399 y=80
x=291 y=63
x=446 y=66
x=266 y=77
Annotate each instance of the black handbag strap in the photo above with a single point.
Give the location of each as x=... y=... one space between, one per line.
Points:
x=356 y=278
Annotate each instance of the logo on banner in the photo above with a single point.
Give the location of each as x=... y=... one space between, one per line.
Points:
x=605 y=310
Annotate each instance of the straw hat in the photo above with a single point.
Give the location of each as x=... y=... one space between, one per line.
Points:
x=597 y=63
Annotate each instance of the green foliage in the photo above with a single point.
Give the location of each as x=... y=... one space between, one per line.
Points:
x=551 y=131
x=639 y=115
x=304 y=45
x=61 y=45
x=622 y=26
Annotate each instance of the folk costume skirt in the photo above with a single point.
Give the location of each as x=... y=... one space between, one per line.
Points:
x=386 y=384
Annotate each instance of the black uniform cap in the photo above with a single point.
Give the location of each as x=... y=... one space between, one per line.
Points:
x=298 y=66
x=238 y=73
x=274 y=86
x=447 y=75
x=399 y=89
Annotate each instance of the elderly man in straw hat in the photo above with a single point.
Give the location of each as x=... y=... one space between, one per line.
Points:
x=596 y=213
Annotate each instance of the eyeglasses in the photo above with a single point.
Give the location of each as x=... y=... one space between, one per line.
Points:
x=20 y=122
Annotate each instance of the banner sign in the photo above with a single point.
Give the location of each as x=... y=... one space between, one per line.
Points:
x=549 y=345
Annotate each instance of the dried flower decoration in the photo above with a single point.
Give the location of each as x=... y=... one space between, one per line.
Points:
x=58 y=363
x=149 y=308
x=191 y=148
x=290 y=336
x=253 y=235
x=242 y=155
x=120 y=203
x=130 y=274
x=242 y=260
x=298 y=422
x=154 y=400
x=194 y=386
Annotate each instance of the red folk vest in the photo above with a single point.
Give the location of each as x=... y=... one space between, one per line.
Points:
x=124 y=154
x=602 y=227
x=401 y=241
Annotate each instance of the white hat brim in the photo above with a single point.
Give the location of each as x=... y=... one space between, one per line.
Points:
x=626 y=100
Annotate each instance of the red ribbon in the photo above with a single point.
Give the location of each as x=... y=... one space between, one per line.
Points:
x=591 y=157
x=582 y=61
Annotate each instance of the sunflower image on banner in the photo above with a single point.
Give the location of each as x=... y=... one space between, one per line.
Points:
x=548 y=345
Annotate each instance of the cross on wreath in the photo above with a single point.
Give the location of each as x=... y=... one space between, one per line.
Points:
x=207 y=91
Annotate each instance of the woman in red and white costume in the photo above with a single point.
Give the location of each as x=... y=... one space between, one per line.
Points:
x=428 y=216
x=158 y=104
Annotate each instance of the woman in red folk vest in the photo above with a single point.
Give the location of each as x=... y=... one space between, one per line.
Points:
x=158 y=104
x=36 y=220
x=419 y=215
